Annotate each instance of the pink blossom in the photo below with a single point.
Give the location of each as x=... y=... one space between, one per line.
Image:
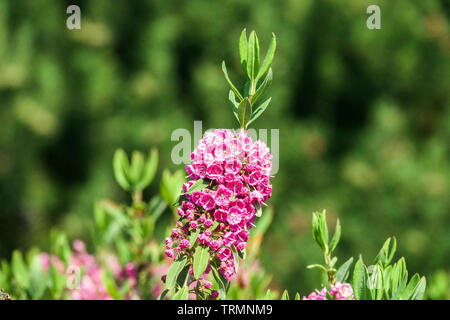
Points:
x=184 y=244
x=224 y=253
x=193 y=224
x=220 y=215
x=342 y=291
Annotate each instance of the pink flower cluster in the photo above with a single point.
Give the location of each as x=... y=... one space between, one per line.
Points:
x=342 y=291
x=237 y=172
x=91 y=285
x=338 y=291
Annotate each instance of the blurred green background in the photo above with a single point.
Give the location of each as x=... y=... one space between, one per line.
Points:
x=364 y=116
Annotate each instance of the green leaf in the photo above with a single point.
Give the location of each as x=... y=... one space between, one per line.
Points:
x=268 y=58
x=163 y=294
x=297 y=296
x=243 y=50
x=410 y=288
x=386 y=280
x=156 y=207
x=358 y=279
x=263 y=86
x=235 y=90
x=336 y=237
x=419 y=290
x=181 y=279
x=123 y=252
x=182 y=294
x=198 y=185
x=201 y=259
x=244 y=112
x=253 y=56
x=366 y=293
x=137 y=166
x=285 y=295
x=235 y=258
x=149 y=170
x=57 y=283
x=317 y=266
x=268 y=295
x=386 y=253
x=344 y=270
x=392 y=251
x=60 y=245
x=320 y=230
x=375 y=282
x=234 y=104
x=171 y=185
x=221 y=282
x=121 y=167
x=99 y=216
x=193 y=237
x=37 y=278
x=174 y=270
x=115 y=211
x=259 y=111
x=111 y=288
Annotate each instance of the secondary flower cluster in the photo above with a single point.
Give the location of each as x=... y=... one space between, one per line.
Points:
x=339 y=291
x=236 y=173
x=90 y=286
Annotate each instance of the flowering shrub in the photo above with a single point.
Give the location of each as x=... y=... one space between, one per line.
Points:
x=229 y=184
x=379 y=281
x=216 y=228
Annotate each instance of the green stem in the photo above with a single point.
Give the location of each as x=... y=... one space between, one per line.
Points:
x=137 y=196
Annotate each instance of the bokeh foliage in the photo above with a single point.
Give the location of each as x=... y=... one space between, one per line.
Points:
x=364 y=116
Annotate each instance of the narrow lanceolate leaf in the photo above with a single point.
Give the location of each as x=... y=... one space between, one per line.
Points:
x=317 y=266
x=268 y=58
x=163 y=294
x=323 y=227
x=244 y=112
x=137 y=166
x=358 y=278
x=393 y=250
x=220 y=282
x=182 y=294
x=263 y=86
x=297 y=296
x=344 y=270
x=234 y=104
x=235 y=90
x=285 y=295
x=235 y=259
x=201 y=259
x=253 y=56
x=259 y=111
x=149 y=170
x=336 y=237
x=193 y=238
x=121 y=167
x=198 y=185
x=19 y=269
x=409 y=290
x=419 y=290
x=174 y=271
x=243 y=50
